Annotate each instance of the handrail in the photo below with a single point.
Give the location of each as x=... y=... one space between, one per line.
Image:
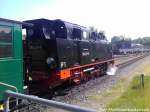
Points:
x=36 y=99
x=8 y=85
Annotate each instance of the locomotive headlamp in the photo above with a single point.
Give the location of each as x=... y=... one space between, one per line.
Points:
x=50 y=60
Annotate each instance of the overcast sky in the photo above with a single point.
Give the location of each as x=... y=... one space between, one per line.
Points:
x=130 y=18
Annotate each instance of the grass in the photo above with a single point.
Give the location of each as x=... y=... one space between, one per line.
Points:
x=135 y=97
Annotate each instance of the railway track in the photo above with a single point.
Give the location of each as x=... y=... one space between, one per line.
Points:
x=125 y=58
x=132 y=60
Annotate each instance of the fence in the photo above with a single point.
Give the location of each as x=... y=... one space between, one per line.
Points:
x=64 y=106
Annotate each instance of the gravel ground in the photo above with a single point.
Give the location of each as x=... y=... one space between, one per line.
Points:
x=79 y=95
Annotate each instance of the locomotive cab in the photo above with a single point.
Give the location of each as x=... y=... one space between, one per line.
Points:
x=40 y=46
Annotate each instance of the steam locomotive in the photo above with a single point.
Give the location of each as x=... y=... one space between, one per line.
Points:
x=56 y=51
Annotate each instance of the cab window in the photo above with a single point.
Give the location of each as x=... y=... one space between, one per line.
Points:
x=5 y=42
x=76 y=34
x=59 y=30
x=85 y=35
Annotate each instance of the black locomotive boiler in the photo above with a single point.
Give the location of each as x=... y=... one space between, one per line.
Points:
x=57 y=51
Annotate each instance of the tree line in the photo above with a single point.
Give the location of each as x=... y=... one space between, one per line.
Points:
x=141 y=40
x=122 y=39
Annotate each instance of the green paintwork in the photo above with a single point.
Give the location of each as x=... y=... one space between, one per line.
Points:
x=11 y=69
